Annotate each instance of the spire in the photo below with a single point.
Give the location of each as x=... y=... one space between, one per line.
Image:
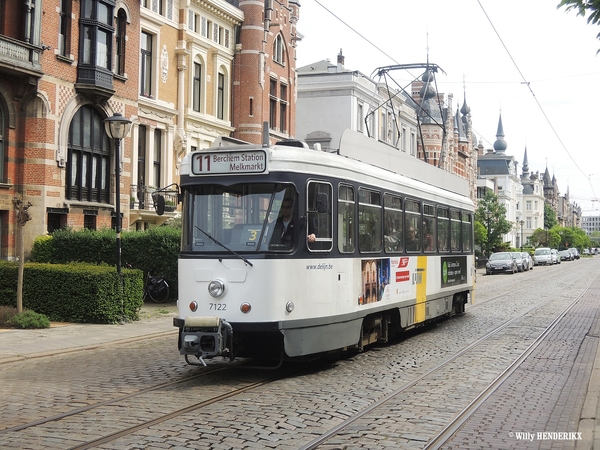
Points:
x=500 y=145
x=525 y=163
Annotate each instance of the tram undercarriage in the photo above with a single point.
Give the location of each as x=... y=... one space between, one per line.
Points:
x=207 y=337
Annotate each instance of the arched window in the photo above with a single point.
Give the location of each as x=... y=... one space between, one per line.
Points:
x=279 y=50
x=88 y=161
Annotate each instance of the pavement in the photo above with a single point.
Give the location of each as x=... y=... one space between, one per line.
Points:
x=157 y=320
x=18 y=345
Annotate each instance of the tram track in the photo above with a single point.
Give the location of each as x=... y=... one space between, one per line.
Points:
x=210 y=392
x=451 y=428
x=124 y=402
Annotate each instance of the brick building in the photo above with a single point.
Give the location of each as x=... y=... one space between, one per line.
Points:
x=64 y=67
x=264 y=77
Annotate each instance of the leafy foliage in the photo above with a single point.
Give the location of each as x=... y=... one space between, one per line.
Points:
x=492 y=215
x=550 y=220
x=75 y=292
x=30 y=319
x=589 y=8
x=155 y=250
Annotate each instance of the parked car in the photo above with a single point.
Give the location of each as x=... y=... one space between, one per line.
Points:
x=566 y=255
x=519 y=260
x=575 y=253
x=528 y=260
x=555 y=257
x=500 y=262
x=542 y=256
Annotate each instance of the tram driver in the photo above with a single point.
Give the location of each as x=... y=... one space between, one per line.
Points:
x=283 y=233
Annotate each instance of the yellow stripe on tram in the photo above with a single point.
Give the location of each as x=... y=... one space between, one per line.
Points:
x=421 y=282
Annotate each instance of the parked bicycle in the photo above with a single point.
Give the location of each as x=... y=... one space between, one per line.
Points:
x=156 y=288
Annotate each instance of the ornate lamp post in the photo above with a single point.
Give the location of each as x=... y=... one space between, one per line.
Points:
x=117 y=127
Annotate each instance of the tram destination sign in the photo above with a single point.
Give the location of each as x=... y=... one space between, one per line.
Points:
x=234 y=162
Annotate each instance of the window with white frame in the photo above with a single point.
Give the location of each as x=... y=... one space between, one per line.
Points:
x=197 y=87
x=221 y=96
x=146 y=58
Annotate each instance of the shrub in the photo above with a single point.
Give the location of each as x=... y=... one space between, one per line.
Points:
x=155 y=250
x=30 y=319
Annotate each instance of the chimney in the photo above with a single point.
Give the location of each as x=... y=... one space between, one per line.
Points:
x=340 y=61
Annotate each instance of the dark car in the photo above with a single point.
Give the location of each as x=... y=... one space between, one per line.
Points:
x=566 y=255
x=501 y=262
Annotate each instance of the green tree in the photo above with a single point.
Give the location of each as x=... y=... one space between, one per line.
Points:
x=549 y=217
x=589 y=8
x=480 y=235
x=492 y=215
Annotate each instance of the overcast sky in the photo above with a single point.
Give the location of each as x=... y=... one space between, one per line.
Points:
x=489 y=49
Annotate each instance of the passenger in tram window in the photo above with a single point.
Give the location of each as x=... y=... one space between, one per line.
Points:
x=427 y=237
x=412 y=241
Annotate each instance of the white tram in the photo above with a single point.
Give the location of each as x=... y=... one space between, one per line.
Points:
x=388 y=252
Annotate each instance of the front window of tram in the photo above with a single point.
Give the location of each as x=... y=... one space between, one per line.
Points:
x=242 y=217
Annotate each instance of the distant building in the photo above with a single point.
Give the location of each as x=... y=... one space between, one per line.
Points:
x=501 y=169
x=590 y=222
x=332 y=99
x=530 y=204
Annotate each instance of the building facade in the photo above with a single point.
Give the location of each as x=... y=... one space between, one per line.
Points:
x=332 y=99
x=64 y=67
x=264 y=72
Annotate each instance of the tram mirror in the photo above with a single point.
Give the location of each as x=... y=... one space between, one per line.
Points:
x=159 y=204
x=322 y=202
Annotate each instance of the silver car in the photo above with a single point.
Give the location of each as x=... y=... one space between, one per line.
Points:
x=527 y=261
x=542 y=255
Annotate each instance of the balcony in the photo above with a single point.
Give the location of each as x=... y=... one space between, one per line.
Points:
x=141 y=206
x=19 y=59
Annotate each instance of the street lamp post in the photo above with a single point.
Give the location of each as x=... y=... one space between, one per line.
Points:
x=488 y=219
x=117 y=127
x=522 y=222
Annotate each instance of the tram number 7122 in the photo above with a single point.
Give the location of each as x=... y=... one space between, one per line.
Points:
x=217 y=306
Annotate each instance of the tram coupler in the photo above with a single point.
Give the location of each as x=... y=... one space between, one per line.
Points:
x=205 y=337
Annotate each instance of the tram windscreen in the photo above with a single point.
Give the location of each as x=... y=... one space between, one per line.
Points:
x=241 y=217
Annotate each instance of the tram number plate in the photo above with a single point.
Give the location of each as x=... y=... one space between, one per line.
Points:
x=218 y=306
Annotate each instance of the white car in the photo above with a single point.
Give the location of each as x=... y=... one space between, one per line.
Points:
x=542 y=255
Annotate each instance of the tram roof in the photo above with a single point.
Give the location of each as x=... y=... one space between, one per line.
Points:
x=360 y=159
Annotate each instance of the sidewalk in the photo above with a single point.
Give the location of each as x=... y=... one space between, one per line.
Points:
x=16 y=345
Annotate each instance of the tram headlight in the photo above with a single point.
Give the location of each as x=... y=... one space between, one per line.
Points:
x=289 y=307
x=216 y=288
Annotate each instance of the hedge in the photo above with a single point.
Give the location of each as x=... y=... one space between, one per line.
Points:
x=155 y=250
x=80 y=293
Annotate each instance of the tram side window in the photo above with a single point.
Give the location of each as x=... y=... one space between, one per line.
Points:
x=443 y=231
x=467 y=232
x=455 y=231
x=392 y=223
x=319 y=216
x=369 y=221
x=345 y=225
x=429 y=232
x=412 y=217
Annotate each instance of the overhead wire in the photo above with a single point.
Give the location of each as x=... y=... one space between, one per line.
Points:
x=525 y=82
x=528 y=84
